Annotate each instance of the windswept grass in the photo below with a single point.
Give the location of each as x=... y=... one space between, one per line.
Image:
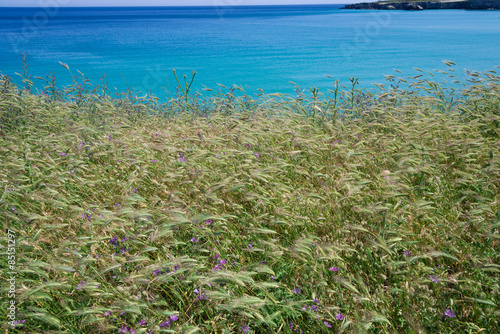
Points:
x=355 y=212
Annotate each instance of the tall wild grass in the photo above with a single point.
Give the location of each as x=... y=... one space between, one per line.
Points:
x=354 y=211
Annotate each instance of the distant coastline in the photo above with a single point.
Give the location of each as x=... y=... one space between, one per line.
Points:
x=421 y=5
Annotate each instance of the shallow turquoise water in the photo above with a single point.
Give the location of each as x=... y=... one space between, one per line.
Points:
x=257 y=47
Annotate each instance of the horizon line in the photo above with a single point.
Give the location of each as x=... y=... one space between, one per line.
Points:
x=145 y=6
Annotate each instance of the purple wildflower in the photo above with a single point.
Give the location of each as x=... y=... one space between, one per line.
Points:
x=435 y=278
x=114 y=241
x=316 y=301
x=165 y=324
x=245 y=328
x=141 y=323
x=87 y=216
x=327 y=324
x=334 y=269
x=449 y=313
x=124 y=330
x=174 y=317
x=81 y=285
x=107 y=313
x=201 y=294
x=63 y=154
x=406 y=253
x=296 y=290
x=339 y=316
x=193 y=239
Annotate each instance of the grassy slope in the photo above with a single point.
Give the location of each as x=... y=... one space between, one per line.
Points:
x=400 y=194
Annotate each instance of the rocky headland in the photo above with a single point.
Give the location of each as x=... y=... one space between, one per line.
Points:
x=421 y=5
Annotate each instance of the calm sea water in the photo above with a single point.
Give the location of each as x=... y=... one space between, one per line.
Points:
x=255 y=47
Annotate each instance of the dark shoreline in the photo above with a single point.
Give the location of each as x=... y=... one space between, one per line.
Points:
x=421 y=5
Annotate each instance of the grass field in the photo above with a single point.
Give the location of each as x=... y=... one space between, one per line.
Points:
x=355 y=211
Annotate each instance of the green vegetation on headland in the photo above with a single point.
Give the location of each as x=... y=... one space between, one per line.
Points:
x=352 y=212
x=421 y=5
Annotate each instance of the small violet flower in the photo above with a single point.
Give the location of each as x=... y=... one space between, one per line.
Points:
x=114 y=241
x=124 y=330
x=435 y=278
x=339 y=316
x=165 y=324
x=245 y=328
x=449 y=313
x=81 y=285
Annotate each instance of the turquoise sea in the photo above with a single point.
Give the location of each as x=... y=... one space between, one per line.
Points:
x=255 y=47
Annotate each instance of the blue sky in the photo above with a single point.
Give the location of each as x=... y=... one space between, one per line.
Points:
x=92 y=3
